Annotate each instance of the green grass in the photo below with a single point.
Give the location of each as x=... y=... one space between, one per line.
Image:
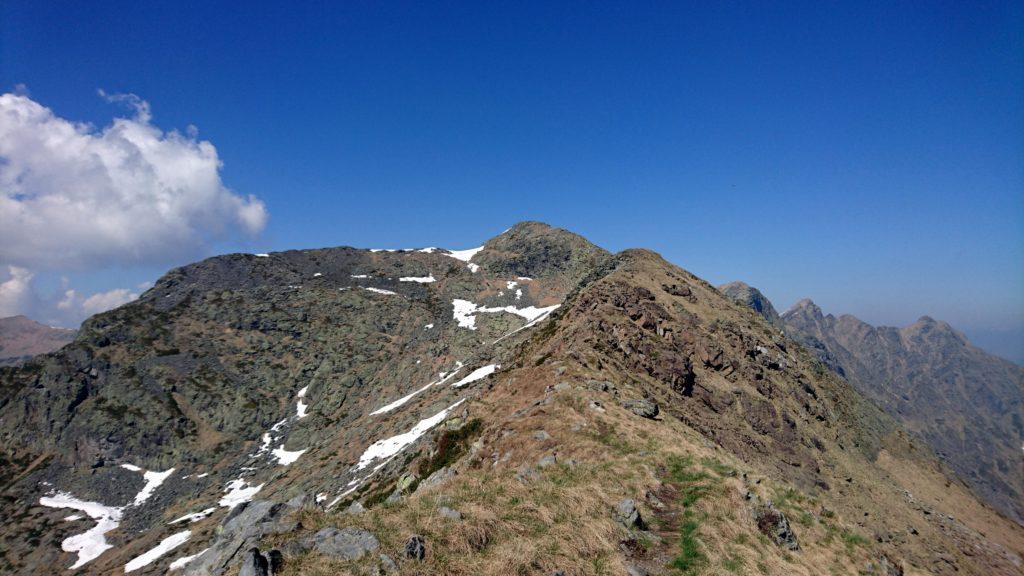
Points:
x=692 y=485
x=733 y=564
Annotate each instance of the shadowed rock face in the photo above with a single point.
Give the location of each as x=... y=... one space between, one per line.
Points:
x=22 y=338
x=310 y=401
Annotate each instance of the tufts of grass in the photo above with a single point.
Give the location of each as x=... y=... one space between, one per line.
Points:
x=692 y=486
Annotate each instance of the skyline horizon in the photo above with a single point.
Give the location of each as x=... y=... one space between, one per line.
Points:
x=868 y=157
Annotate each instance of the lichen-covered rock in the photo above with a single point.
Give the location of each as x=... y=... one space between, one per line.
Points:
x=773 y=523
x=627 y=514
x=643 y=407
x=343 y=544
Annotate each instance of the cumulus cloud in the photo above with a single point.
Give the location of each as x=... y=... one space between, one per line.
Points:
x=16 y=295
x=74 y=197
x=74 y=305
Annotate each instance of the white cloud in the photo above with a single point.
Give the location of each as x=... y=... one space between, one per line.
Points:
x=73 y=197
x=77 y=198
x=74 y=305
x=15 y=291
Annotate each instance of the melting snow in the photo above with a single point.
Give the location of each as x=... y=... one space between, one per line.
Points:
x=165 y=546
x=91 y=543
x=420 y=279
x=153 y=481
x=73 y=517
x=379 y=290
x=465 y=312
x=533 y=322
x=181 y=562
x=131 y=467
x=388 y=447
x=511 y=284
x=300 y=408
x=443 y=377
x=479 y=373
x=238 y=492
x=465 y=255
x=194 y=517
x=286 y=457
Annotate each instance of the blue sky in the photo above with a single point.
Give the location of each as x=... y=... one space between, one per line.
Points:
x=866 y=155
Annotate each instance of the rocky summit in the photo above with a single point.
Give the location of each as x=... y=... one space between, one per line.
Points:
x=536 y=405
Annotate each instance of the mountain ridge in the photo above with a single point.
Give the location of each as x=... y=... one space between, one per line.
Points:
x=533 y=406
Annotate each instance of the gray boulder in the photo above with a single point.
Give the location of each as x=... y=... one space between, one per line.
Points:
x=627 y=514
x=449 y=513
x=344 y=544
x=254 y=564
x=643 y=408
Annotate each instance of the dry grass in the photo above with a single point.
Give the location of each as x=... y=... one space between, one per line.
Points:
x=563 y=519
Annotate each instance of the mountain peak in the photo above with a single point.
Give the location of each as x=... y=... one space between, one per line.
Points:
x=806 y=308
x=753 y=298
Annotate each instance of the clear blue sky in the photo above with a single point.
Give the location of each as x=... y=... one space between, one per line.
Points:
x=867 y=155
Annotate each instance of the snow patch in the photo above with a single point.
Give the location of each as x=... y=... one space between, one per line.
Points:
x=533 y=322
x=194 y=517
x=465 y=255
x=388 y=447
x=131 y=467
x=91 y=543
x=479 y=373
x=379 y=290
x=238 y=492
x=442 y=378
x=165 y=546
x=360 y=276
x=420 y=279
x=300 y=407
x=184 y=560
x=153 y=481
x=464 y=312
x=285 y=457
x=263 y=255
x=428 y=326
x=317 y=275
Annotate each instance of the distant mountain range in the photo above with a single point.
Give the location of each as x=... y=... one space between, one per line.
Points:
x=22 y=338
x=968 y=405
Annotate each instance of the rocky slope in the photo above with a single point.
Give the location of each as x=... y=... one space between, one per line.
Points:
x=537 y=406
x=966 y=404
x=22 y=338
